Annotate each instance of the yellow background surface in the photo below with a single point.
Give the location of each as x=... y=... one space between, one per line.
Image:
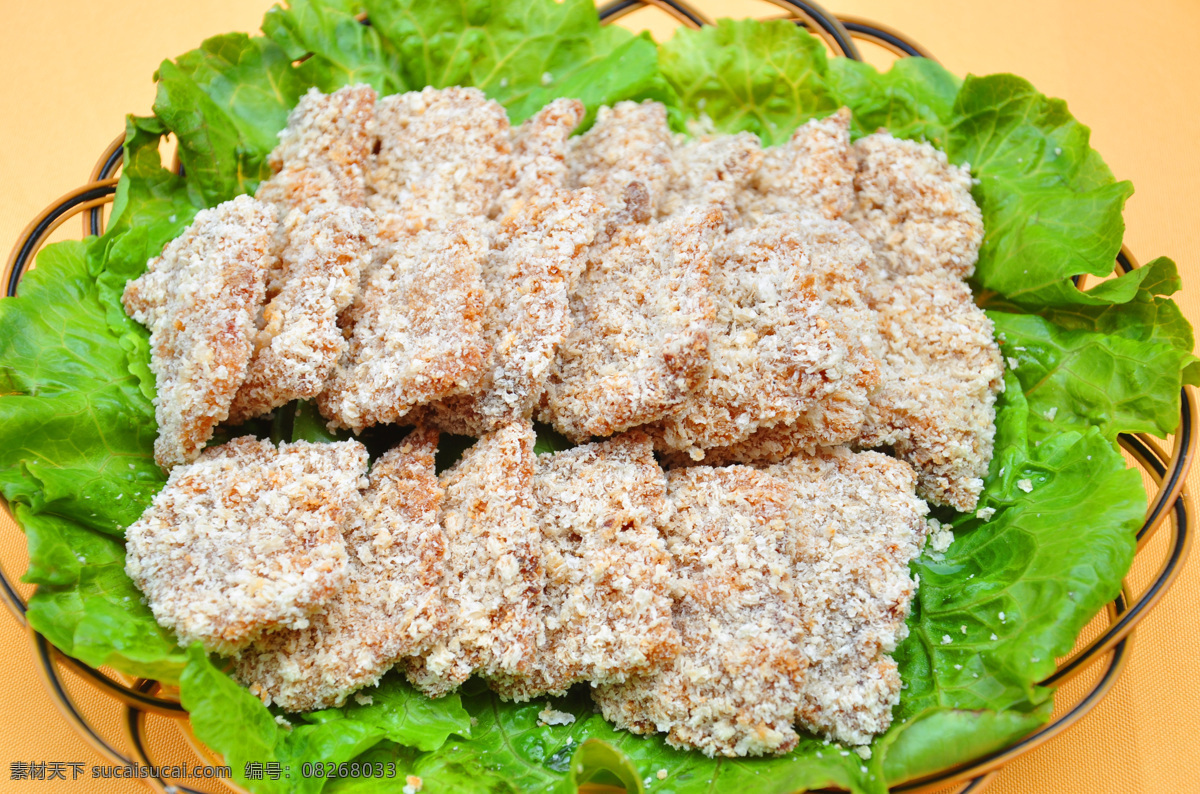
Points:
x=70 y=70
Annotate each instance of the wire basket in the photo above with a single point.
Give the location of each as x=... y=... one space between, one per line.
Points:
x=1102 y=650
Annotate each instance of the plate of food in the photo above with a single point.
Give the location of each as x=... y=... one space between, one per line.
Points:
x=490 y=399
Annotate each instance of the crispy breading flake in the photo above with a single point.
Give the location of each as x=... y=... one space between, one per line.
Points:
x=863 y=525
x=300 y=341
x=199 y=300
x=443 y=155
x=814 y=171
x=785 y=345
x=713 y=170
x=915 y=208
x=941 y=370
x=416 y=330
x=795 y=588
x=735 y=686
x=323 y=150
x=630 y=142
x=539 y=150
x=247 y=539
x=493 y=565
x=640 y=324
x=607 y=602
x=537 y=255
x=390 y=606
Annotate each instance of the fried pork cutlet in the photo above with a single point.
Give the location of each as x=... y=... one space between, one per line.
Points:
x=300 y=341
x=814 y=171
x=199 y=300
x=416 y=330
x=247 y=539
x=785 y=345
x=630 y=142
x=391 y=603
x=443 y=155
x=795 y=589
x=323 y=150
x=640 y=324
x=537 y=253
x=713 y=170
x=539 y=151
x=863 y=525
x=607 y=602
x=493 y=565
x=941 y=370
x=915 y=208
x=735 y=686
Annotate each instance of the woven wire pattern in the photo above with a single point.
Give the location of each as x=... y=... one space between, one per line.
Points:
x=1170 y=504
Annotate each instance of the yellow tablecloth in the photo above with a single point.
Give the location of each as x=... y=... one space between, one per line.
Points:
x=70 y=71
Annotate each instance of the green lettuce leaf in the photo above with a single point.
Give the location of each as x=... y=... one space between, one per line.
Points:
x=521 y=54
x=913 y=99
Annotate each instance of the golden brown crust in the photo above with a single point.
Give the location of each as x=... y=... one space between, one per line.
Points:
x=299 y=340
x=713 y=170
x=443 y=154
x=322 y=151
x=813 y=171
x=607 y=602
x=539 y=150
x=537 y=253
x=785 y=345
x=493 y=565
x=416 y=330
x=199 y=300
x=639 y=338
x=630 y=142
x=390 y=606
x=246 y=539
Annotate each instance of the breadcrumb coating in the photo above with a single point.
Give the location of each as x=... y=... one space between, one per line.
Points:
x=299 y=340
x=640 y=325
x=735 y=686
x=322 y=150
x=246 y=539
x=941 y=371
x=713 y=170
x=391 y=603
x=915 y=208
x=814 y=171
x=785 y=346
x=443 y=155
x=607 y=600
x=539 y=154
x=863 y=526
x=493 y=576
x=630 y=142
x=199 y=300
x=538 y=252
x=416 y=330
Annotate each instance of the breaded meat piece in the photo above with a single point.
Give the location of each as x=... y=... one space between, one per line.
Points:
x=443 y=155
x=299 y=342
x=713 y=170
x=736 y=684
x=493 y=577
x=247 y=539
x=814 y=171
x=864 y=525
x=539 y=151
x=785 y=346
x=323 y=151
x=941 y=370
x=915 y=208
x=640 y=324
x=416 y=330
x=199 y=300
x=607 y=603
x=630 y=142
x=390 y=606
x=537 y=254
